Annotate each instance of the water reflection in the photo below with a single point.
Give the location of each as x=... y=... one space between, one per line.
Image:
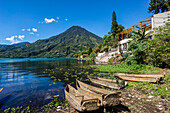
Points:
x=25 y=83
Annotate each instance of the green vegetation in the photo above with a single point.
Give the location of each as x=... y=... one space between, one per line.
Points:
x=138 y=47
x=125 y=68
x=157 y=6
x=55 y=104
x=158 y=53
x=28 y=109
x=155 y=89
x=66 y=44
x=152 y=50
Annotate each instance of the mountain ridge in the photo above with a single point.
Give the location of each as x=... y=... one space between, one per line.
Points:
x=20 y=43
x=66 y=44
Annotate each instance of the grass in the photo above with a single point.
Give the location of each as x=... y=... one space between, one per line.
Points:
x=125 y=68
x=157 y=89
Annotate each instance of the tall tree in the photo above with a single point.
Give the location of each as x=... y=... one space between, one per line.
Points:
x=157 y=6
x=115 y=27
x=114 y=24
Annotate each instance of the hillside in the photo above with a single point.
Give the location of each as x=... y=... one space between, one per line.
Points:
x=66 y=44
x=3 y=45
x=21 y=43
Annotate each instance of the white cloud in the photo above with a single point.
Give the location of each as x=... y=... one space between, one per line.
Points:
x=39 y=22
x=13 y=39
x=56 y=21
x=31 y=33
x=22 y=29
x=58 y=18
x=37 y=35
x=66 y=19
x=34 y=29
x=49 y=20
x=28 y=29
x=21 y=37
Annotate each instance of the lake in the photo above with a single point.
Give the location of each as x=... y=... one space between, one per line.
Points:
x=25 y=81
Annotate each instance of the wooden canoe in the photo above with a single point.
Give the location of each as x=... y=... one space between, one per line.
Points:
x=106 y=97
x=137 y=78
x=110 y=83
x=120 y=83
x=1 y=89
x=142 y=75
x=80 y=101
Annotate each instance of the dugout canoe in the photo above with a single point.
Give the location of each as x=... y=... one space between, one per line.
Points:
x=110 y=83
x=106 y=97
x=156 y=75
x=141 y=77
x=80 y=101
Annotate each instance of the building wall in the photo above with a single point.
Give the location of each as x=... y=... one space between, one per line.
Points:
x=160 y=19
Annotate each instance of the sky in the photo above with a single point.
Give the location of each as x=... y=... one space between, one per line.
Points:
x=31 y=20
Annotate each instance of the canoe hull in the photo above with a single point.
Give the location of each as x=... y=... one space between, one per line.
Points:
x=142 y=75
x=107 y=98
x=108 y=84
x=139 y=79
x=78 y=102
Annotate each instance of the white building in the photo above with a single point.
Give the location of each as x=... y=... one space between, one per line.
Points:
x=160 y=19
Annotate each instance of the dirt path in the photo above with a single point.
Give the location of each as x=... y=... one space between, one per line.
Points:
x=139 y=101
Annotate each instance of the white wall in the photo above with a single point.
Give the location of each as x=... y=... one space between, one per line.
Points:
x=160 y=19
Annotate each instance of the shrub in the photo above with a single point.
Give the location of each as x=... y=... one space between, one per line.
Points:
x=158 y=54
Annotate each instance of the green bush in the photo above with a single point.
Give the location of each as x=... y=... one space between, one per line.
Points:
x=159 y=51
x=93 y=55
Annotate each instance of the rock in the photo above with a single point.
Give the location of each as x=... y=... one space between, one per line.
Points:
x=58 y=107
x=158 y=105
x=150 y=96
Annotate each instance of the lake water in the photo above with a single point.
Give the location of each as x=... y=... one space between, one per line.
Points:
x=24 y=82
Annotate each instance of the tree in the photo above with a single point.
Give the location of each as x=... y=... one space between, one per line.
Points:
x=115 y=27
x=83 y=52
x=138 y=47
x=157 y=6
x=120 y=28
x=114 y=24
x=110 y=40
x=89 y=50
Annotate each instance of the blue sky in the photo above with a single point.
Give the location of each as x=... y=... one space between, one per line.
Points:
x=31 y=20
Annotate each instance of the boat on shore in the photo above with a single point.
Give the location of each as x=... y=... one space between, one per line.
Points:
x=106 y=97
x=141 y=77
x=110 y=83
x=156 y=75
x=79 y=101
